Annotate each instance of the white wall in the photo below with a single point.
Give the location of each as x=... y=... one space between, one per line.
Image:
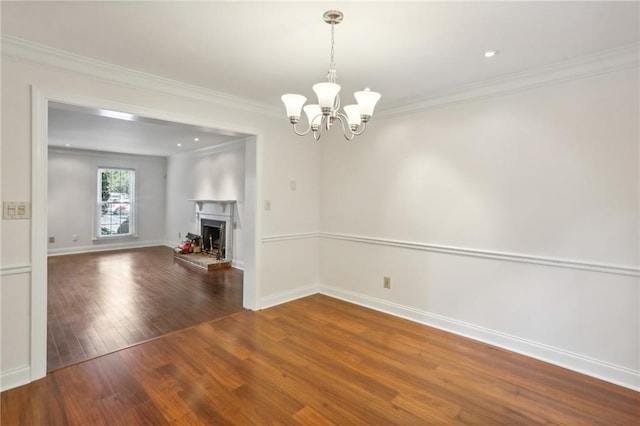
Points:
x=72 y=194
x=293 y=213
x=512 y=219
x=217 y=173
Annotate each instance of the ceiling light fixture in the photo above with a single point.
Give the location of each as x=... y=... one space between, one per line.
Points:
x=491 y=53
x=116 y=114
x=323 y=114
x=196 y=139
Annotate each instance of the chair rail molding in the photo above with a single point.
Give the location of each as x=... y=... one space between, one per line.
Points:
x=289 y=237
x=15 y=270
x=487 y=254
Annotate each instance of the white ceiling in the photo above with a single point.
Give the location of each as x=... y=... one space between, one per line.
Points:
x=90 y=129
x=408 y=51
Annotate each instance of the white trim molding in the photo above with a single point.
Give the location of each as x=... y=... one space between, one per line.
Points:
x=15 y=270
x=588 y=66
x=592 y=367
x=27 y=51
x=487 y=254
x=105 y=246
x=620 y=58
x=14 y=378
x=288 y=296
x=289 y=237
x=39 y=156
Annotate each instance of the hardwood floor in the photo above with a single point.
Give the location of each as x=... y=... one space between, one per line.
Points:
x=316 y=361
x=101 y=302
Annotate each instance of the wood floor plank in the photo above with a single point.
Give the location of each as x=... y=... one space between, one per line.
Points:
x=102 y=302
x=316 y=361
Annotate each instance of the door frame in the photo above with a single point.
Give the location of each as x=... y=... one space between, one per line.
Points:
x=39 y=186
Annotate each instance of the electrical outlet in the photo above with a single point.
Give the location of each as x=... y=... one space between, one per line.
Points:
x=267 y=204
x=74 y=237
x=386 y=282
x=52 y=239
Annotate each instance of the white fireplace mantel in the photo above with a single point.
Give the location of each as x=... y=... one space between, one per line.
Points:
x=226 y=216
x=200 y=203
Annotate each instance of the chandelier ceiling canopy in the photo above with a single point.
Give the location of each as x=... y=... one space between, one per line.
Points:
x=325 y=113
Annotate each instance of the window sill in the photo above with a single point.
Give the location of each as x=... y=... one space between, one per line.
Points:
x=104 y=238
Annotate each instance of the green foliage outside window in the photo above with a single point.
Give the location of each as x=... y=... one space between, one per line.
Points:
x=116 y=201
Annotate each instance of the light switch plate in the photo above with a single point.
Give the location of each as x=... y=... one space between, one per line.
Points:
x=16 y=210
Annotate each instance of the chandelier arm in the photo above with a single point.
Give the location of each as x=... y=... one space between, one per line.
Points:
x=348 y=134
x=301 y=133
x=327 y=120
x=362 y=127
x=317 y=134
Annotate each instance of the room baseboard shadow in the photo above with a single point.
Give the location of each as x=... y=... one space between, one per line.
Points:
x=621 y=376
x=288 y=296
x=103 y=247
x=14 y=378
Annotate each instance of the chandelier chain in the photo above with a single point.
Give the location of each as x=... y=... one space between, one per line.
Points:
x=332 y=64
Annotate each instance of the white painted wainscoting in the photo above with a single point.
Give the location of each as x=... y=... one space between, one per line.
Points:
x=296 y=277
x=554 y=310
x=536 y=306
x=14 y=284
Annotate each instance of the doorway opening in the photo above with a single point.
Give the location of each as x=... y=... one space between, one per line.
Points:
x=42 y=108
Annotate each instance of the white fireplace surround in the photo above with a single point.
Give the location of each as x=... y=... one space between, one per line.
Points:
x=221 y=210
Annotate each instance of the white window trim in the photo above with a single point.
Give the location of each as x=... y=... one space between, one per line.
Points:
x=133 y=204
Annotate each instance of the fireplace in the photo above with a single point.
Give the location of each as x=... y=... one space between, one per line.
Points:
x=213 y=237
x=215 y=224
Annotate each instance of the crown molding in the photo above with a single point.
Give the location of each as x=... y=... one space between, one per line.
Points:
x=601 y=63
x=27 y=51
x=620 y=58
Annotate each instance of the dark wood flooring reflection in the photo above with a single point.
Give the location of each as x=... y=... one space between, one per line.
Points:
x=317 y=361
x=102 y=302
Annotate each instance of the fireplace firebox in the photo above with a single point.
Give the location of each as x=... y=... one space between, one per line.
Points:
x=213 y=237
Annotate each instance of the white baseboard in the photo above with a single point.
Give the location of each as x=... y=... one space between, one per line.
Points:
x=592 y=367
x=103 y=247
x=288 y=296
x=14 y=378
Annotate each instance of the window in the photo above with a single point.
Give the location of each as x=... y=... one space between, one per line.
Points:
x=116 y=203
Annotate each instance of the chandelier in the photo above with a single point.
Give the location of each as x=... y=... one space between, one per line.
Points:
x=324 y=114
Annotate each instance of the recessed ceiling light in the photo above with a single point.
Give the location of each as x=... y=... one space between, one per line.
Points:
x=491 y=53
x=116 y=114
x=66 y=144
x=179 y=144
x=196 y=139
